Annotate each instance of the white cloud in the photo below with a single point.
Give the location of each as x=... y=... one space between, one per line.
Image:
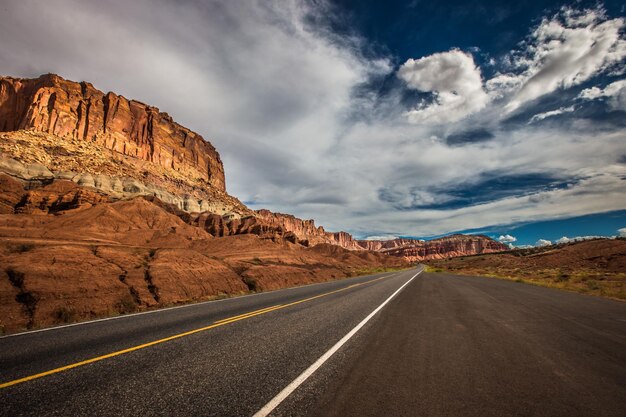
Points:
x=507 y=239
x=523 y=247
x=551 y=113
x=622 y=232
x=566 y=239
x=616 y=92
x=564 y=51
x=543 y=242
x=453 y=79
x=502 y=84
x=381 y=237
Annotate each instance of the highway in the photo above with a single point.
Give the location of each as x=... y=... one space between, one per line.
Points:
x=395 y=344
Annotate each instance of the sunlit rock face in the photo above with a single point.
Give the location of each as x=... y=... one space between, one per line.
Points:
x=74 y=110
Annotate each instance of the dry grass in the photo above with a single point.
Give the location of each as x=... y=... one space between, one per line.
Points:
x=612 y=285
x=593 y=267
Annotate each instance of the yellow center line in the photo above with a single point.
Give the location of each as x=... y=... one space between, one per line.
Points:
x=180 y=335
x=245 y=315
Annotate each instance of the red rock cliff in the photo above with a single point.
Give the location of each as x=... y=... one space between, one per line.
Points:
x=303 y=229
x=379 y=245
x=65 y=108
x=410 y=249
x=306 y=231
x=447 y=247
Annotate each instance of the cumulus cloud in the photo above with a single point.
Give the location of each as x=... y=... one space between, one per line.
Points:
x=564 y=51
x=566 y=239
x=543 y=242
x=616 y=92
x=455 y=82
x=522 y=247
x=622 y=232
x=507 y=239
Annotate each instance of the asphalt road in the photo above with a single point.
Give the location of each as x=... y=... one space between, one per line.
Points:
x=442 y=346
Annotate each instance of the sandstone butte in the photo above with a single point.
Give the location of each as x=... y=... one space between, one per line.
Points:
x=96 y=182
x=68 y=109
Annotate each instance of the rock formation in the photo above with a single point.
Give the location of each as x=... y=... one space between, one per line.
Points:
x=446 y=247
x=380 y=245
x=69 y=109
x=412 y=250
x=306 y=231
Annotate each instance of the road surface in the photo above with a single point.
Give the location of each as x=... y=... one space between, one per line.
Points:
x=393 y=344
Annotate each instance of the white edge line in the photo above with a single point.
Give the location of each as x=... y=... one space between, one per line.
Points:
x=158 y=310
x=274 y=402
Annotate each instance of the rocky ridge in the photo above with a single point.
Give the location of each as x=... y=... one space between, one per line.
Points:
x=445 y=247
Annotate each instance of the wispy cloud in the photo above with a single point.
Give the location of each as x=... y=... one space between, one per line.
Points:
x=566 y=50
x=540 y=116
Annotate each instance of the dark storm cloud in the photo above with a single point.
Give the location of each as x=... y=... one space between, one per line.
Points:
x=469 y=136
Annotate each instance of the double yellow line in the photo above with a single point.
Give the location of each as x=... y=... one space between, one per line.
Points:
x=215 y=324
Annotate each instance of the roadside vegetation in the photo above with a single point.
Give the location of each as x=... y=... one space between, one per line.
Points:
x=594 y=267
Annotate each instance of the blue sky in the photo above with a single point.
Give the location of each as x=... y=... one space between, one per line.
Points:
x=385 y=119
x=528 y=234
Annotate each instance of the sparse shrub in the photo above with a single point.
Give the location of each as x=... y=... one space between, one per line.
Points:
x=563 y=277
x=220 y=296
x=57 y=151
x=592 y=285
x=16 y=277
x=256 y=261
x=127 y=305
x=251 y=283
x=23 y=247
x=64 y=315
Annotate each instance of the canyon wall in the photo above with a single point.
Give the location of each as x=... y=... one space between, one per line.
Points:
x=412 y=250
x=69 y=109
